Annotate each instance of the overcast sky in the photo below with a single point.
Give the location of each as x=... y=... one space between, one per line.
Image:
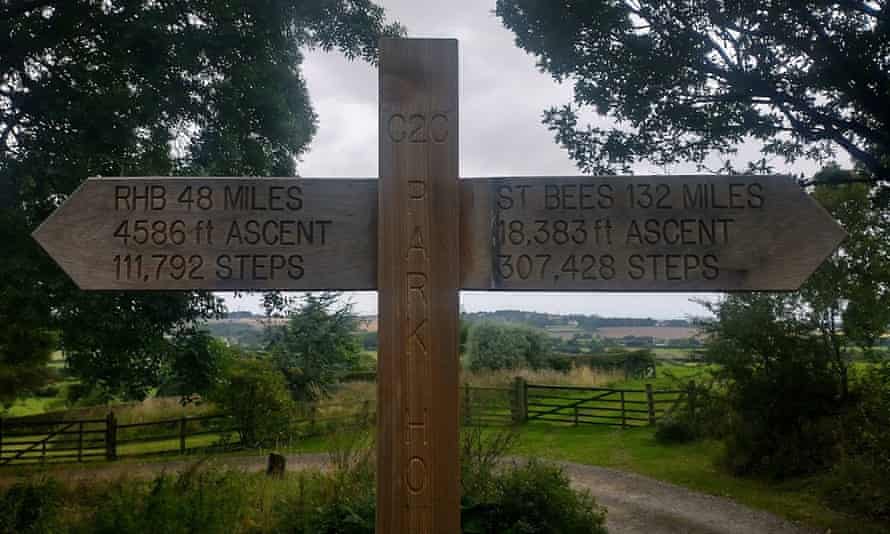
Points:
x=502 y=97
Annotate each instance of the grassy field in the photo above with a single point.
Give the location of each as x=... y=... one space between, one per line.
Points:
x=674 y=353
x=690 y=465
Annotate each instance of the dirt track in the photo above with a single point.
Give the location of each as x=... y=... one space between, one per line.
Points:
x=636 y=504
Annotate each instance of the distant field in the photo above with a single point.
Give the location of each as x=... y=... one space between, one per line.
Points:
x=674 y=353
x=657 y=332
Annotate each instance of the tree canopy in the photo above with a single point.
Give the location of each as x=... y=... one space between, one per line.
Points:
x=318 y=344
x=681 y=79
x=496 y=345
x=145 y=88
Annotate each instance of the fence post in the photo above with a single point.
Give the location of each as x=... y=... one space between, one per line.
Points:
x=650 y=403
x=466 y=405
x=313 y=409
x=366 y=413
x=110 y=437
x=79 y=442
x=576 y=415
x=182 y=423
x=692 y=399
x=43 y=452
x=623 y=414
x=1 y=440
x=520 y=401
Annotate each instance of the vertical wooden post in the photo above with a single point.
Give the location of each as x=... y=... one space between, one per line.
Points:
x=576 y=414
x=366 y=414
x=467 y=405
x=43 y=451
x=650 y=403
x=418 y=488
x=520 y=400
x=79 y=442
x=692 y=399
x=1 y=440
x=313 y=413
x=182 y=425
x=110 y=437
x=623 y=414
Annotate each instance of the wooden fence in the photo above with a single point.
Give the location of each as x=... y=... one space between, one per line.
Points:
x=43 y=441
x=32 y=440
x=576 y=405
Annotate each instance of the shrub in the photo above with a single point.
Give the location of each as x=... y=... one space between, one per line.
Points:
x=634 y=363
x=31 y=507
x=196 y=501
x=481 y=451
x=674 y=429
x=493 y=345
x=535 y=498
x=525 y=498
x=861 y=481
x=783 y=389
x=702 y=414
x=48 y=391
x=257 y=396
x=370 y=340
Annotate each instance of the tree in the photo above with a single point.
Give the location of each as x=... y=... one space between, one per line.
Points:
x=782 y=389
x=684 y=78
x=850 y=288
x=785 y=359
x=254 y=392
x=197 y=363
x=494 y=345
x=151 y=88
x=318 y=344
x=847 y=300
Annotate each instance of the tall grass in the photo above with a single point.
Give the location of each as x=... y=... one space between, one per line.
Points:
x=576 y=376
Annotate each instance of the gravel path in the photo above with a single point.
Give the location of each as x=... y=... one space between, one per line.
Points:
x=642 y=505
x=636 y=504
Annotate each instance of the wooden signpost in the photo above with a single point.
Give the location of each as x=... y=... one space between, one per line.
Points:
x=418 y=235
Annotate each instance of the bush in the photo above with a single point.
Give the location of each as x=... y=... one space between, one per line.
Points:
x=634 y=364
x=196 y=501
x=783 y=388
x=523 y=499
x=481 y=451
x=370 y=341
x=526 y=498
x=854 y=486
x=493 y=345
x=257 y=396
x=534 y=498
x=674 y=429
x=31 y=507
x=705 y=416
x=49 y=391
x=860 y=483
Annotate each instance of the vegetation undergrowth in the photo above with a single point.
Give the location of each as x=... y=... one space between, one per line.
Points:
x=532 y=498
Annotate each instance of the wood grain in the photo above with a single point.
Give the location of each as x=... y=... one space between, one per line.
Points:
x=419 y=278
x=695 y=233
x=641 y=233
x=160 y=233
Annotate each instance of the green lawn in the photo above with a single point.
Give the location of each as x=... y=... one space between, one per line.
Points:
x=30 y=406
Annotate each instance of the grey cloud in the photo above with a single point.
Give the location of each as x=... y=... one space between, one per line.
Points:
x=502 y=98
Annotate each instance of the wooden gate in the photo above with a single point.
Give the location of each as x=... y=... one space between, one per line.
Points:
x=52 y=441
